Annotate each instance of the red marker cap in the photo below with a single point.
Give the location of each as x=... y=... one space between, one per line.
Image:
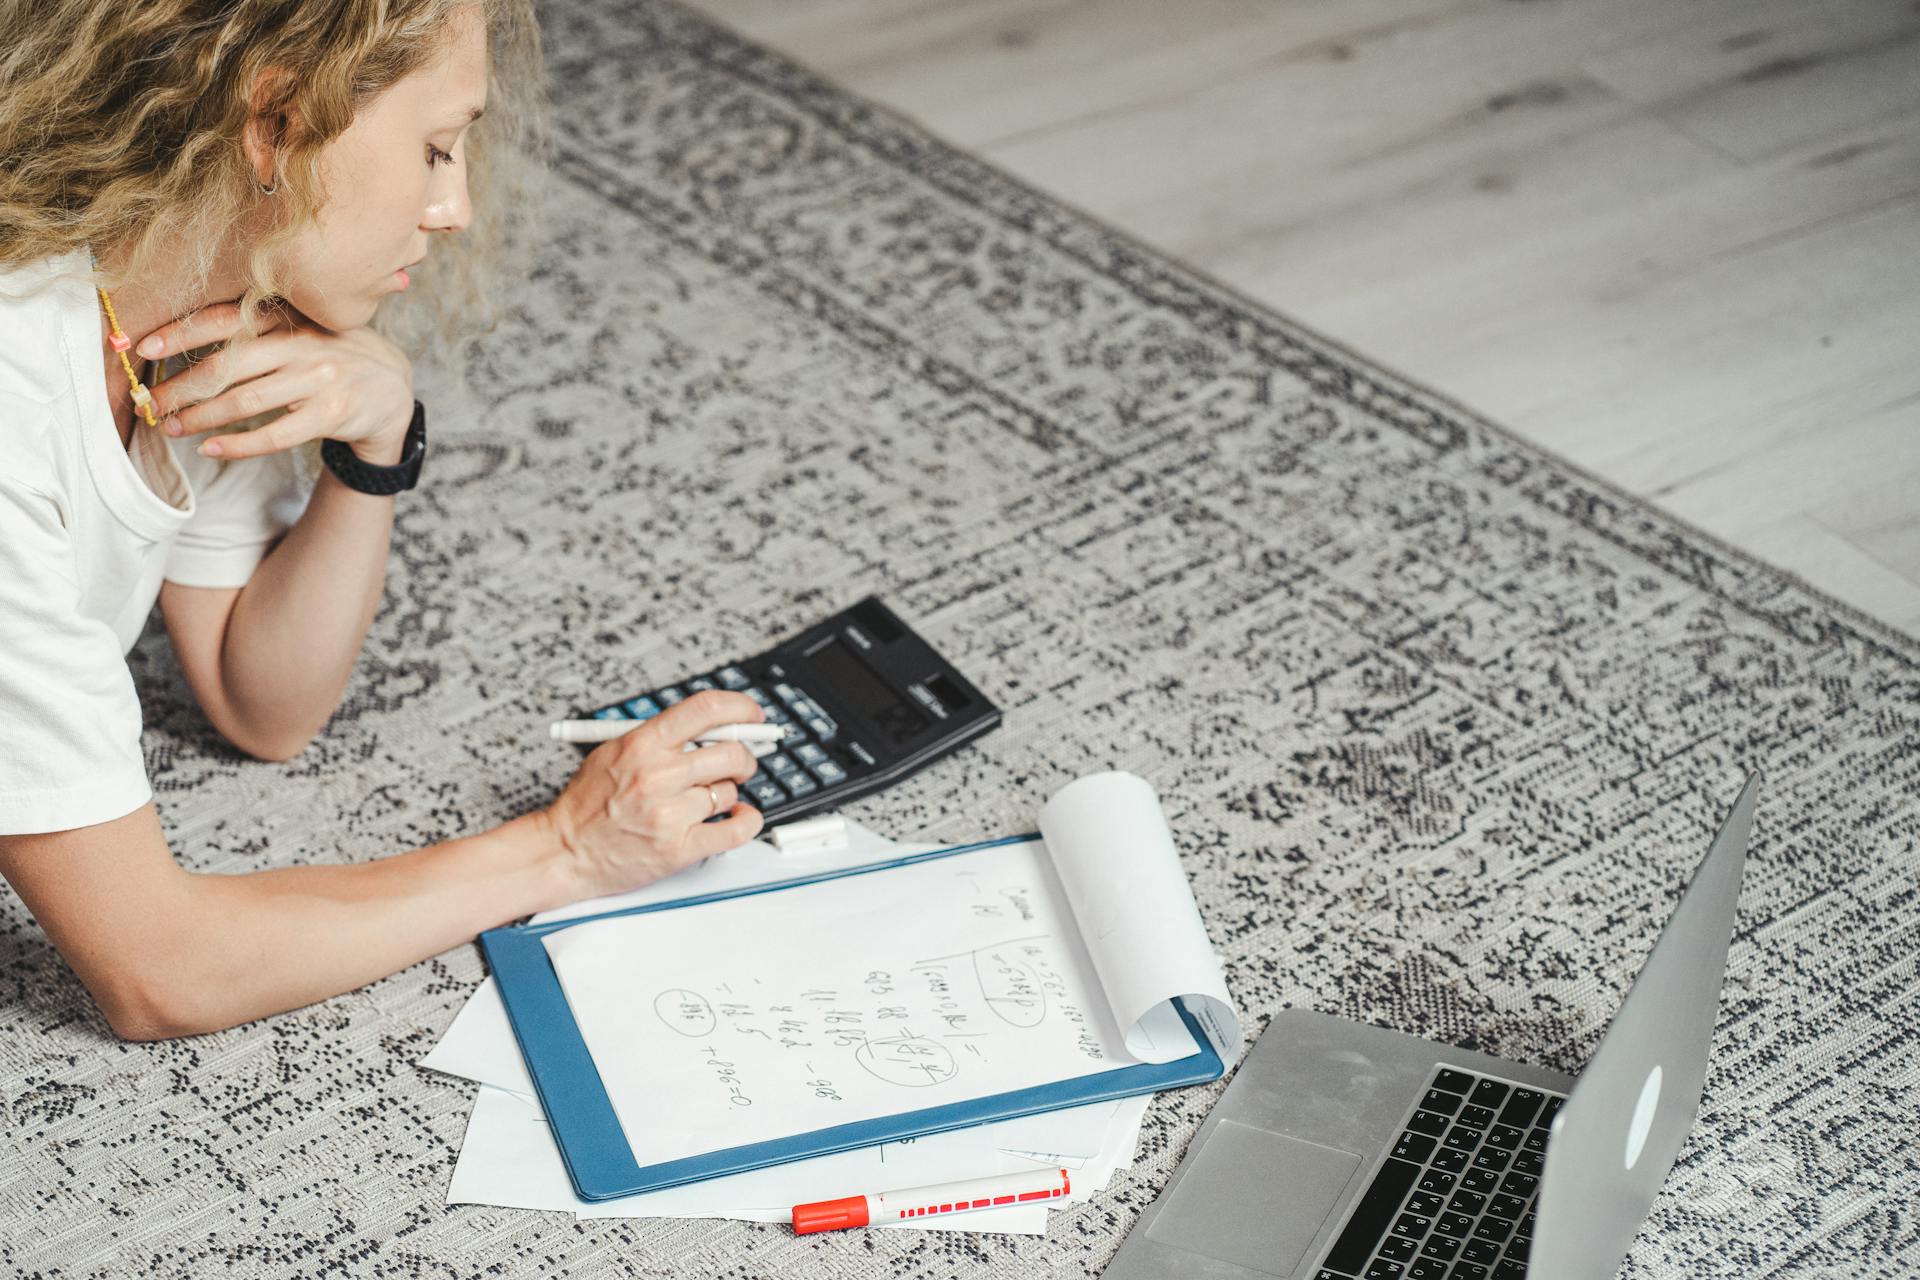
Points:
x=830 y=1215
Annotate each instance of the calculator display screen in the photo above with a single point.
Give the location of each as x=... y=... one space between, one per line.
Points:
x=865 y=693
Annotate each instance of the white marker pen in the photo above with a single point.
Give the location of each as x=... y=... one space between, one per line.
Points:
x=608 y=730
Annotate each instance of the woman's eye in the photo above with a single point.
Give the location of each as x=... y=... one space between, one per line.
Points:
x=435 y=155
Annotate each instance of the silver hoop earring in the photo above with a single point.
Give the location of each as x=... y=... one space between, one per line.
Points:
x=266 y=190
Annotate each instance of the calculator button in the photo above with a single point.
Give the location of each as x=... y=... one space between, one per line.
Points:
x=758 y=694
x=822 y=729
x=700 y=684
x=787 y=693
x=733 y=677
x=810 y=754
x=775 y=715
x=780 y=763
x=858 y=752
x=805 y=708
x=800 y=784
x=765 y=791
x=641 y=708
x=829 y=773
x=668 y=696
x=611 y=713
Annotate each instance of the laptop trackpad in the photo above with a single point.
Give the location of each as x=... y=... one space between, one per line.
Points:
x=1253 y=1198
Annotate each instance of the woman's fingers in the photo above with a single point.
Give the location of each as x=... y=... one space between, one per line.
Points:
x=709 y=709
x=213 y=323
x=284 y=432
x=742 y=824
x=236 y=404
x=720 y=760
x=698 y=804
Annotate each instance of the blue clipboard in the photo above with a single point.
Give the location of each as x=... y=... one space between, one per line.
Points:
x=594 y=1146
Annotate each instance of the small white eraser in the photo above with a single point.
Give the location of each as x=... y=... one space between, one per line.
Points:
x=811 y=835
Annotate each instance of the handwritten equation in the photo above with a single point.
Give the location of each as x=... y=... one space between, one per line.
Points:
x=842 y=1001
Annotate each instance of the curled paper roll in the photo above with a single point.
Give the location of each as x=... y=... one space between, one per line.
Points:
x=1115 y=857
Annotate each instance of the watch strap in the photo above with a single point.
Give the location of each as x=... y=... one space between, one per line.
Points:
x=365 y=477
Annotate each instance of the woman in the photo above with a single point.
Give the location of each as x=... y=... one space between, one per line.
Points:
x=258 y=174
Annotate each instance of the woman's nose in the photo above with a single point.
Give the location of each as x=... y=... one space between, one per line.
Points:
x=449 y=207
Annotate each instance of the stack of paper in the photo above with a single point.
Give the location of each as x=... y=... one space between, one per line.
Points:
x=509 y=1157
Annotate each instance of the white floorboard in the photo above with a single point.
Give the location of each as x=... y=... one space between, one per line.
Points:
x=1677 y=243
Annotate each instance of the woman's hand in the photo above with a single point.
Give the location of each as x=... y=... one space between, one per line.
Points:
x=637 y=809
x=355 y=387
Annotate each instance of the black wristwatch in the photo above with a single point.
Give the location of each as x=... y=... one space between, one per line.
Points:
x=382 y=481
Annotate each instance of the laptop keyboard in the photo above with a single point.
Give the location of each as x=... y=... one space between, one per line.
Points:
x=1455 y=1196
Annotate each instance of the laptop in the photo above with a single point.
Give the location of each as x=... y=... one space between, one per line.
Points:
x=1348 y=1152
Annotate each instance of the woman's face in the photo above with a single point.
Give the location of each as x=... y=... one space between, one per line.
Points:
x=396 y=175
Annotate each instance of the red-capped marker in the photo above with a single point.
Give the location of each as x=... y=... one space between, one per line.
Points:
x=879 y=1208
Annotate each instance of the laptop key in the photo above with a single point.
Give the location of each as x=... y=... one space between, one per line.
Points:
x=1467 y=1202
x=1536 y=1140
x=1548 y=1112
x=1453 y=1081
x=1396 y=1248
x=1494 y=1229
x=1460 y=1138
x=1425 y=1203
x=1503 y=1136
x=1441 y=1101
x=1440 y=1247
x=1482 y=1252
x=1488 y=1093
x=1426 y=1269
x=1492 y=1159
x=1412 y=1225
x=1527 y=1162
x=1480 y=1180
x=1508 y=1269
x=1438 y=1181
x=1519 y=1184
x=1522 y=1106
x=1371 y=1216
x=1413 y=1146
x=1382 y=1269
x=1478 y=1117
x=1453 y=1224
x=1467 y=1271
x=1449 y=1161
x=1428 y=1122
x=1507 y=1206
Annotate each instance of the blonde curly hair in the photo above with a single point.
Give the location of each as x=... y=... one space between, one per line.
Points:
x=123 y=123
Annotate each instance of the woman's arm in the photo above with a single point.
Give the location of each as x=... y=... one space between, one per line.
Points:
x=167 y=952
x=268 y=661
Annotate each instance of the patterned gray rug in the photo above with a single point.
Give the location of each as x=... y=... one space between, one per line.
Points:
x=1441 y=724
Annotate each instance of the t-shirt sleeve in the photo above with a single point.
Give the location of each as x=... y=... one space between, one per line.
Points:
x=240 y=509
x=69 y=717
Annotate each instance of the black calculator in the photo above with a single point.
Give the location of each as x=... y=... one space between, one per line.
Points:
x=866 y=702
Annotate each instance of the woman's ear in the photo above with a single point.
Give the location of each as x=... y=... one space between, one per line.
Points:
x=266 y=128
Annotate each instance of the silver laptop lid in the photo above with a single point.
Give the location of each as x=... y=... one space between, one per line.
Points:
x=1629 y=1114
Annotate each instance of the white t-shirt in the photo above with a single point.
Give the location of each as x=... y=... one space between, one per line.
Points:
x=88 y=529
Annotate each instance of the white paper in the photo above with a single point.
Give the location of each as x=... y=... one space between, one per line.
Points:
x=760 y=1017
x=509 y=1159
x=1115 y=856
x=1107 y=842
x=479 y=1044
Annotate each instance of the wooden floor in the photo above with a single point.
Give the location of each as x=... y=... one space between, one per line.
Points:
x=1675 y=241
